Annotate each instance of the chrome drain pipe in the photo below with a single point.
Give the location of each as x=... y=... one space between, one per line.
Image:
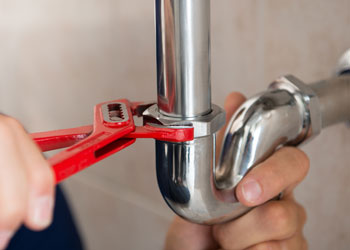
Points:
x=183 y=58
x=185 y=170
x=334 y=99
x=289 y=112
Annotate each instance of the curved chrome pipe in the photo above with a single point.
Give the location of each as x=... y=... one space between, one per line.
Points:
x=185 y=170
x=289 y=112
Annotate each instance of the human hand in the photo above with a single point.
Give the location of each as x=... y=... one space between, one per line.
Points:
x=273 y=225
x=26 y=182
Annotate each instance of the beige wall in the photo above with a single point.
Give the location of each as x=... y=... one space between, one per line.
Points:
x=60 y=57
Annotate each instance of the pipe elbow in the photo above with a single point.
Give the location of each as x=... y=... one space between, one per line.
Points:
x=185 y=179
x=288 y=113
x=262 y=124
x=196 y=189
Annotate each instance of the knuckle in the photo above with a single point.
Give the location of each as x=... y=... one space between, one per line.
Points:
x=42 y=179
x=239 y=97
x=281 y=220
x=7 y=127
x=11 y=122
x=302 y=161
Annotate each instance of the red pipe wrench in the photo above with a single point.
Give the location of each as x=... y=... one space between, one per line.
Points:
x=113 y=130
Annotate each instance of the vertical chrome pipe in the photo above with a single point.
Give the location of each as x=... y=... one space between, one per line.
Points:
x=183 y=57
x=185 y=170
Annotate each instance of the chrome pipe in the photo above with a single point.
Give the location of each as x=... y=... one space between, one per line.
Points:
x=288 y=113
x=334 y=99
x=183 y=57
x=185 y=178
x=185 y=170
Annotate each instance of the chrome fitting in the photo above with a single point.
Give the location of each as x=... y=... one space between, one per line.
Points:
x=205 y=125
x=308 y=102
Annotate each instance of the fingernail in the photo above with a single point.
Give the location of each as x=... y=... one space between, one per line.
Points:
x=251 y=190
x=42 y=211
x=5 y=237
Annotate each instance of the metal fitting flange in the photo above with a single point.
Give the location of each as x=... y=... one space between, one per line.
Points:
x=203 y=125
x=307 y=100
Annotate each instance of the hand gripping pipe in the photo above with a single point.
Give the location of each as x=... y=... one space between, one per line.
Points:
x=289 y=112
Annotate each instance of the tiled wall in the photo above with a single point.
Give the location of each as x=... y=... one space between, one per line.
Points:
x=60 y=57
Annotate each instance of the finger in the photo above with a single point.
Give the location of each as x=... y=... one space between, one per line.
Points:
x=282 y=171
x=13 y=183
x=41 y=184
x=297 y=242
x=232 y=103
x=275 y=220
x=186 y=235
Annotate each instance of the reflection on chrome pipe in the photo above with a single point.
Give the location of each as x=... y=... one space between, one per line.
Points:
x=183 y=57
